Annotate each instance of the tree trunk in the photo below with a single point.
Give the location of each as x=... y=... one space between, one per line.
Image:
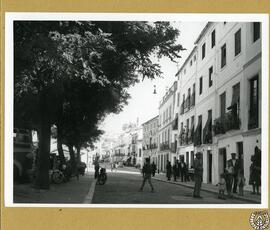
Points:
x=78 y=148
x=42 y=180
x=60 y=142
x=72 y=158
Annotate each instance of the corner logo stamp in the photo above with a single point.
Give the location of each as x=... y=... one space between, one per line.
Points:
x=259 y=220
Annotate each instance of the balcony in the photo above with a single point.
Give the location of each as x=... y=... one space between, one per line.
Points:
x=228 y=122
x=164 y=146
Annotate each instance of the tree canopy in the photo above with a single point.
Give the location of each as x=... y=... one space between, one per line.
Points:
x=73 y=73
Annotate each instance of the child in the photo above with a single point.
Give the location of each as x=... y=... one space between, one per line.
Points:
x=221 y=187
x=241 y=182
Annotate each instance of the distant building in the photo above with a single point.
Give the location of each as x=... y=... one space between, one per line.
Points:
x=166 y=119
x=150 y=139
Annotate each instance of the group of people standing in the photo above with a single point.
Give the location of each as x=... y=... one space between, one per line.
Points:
x=178 y=170
x=231 y=180
x=233 y=175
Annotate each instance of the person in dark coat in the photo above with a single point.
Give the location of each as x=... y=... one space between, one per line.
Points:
x=183 y=170
x=236 y=167
x=174 y=169
x=147 y=171
x=168 y=170
x=154 y=168
x=255 y=171
x=198 y=173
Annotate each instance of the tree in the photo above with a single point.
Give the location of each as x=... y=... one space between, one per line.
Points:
x=103 y=58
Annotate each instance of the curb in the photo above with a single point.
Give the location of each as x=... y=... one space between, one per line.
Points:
x=206 y=190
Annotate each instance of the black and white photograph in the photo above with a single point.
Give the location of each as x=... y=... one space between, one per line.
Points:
x=136 y=110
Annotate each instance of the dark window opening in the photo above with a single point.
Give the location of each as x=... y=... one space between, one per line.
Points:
x=203 y=51
x=223 y=55
x=256 y=31
x=237 y=42
x=210 y=76
x=201 y=85
x=254 y=103
x=213 y=38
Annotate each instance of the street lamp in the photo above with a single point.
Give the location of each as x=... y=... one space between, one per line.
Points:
x=155 y=91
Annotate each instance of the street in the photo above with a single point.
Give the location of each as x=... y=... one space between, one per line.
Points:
x=123 y=188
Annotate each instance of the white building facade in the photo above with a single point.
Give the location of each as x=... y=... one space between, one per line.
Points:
x=166 y=149
x=227 y=110
x=150 y=139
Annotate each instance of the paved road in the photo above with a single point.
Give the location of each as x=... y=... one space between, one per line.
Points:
x=123 y=188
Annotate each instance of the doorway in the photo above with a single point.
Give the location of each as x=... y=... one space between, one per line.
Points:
x=222 y=160
x=239 y=147
x=209 y=160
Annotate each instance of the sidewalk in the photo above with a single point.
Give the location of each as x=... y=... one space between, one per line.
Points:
x=72 y=192
x=248 y=197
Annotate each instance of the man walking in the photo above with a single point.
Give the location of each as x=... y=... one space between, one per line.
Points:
x=236 y=166
x=147 y=171
x=198 y=172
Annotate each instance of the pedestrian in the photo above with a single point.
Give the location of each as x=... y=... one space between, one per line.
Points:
x=183 y=170
x=96 y=169
x=154 y=168
x=229 y=177
x=241 y=182
x=147 y=171
x=168 y=170
x=178 y=168
x=236 y=167
x=255 y=172
x=198 y=172
x=221 y=187
x=174 y=169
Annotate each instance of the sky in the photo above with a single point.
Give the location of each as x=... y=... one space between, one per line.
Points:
x=143 y=104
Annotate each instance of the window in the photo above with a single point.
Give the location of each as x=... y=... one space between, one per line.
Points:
x=190 y=62
x=237 y=42
x=223 y=55
x=256 y=31
x=178 y=95
x=210 y=76
x=203 y=51
x=222 y=105
x=213 y=38
x=254 y=103
x=184 y=71
x=201 y=85
x=194 y=58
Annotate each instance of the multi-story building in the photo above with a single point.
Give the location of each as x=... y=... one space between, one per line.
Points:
x=166 y=119
x=227 y=88
x=150 y=139
x=186 y=84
